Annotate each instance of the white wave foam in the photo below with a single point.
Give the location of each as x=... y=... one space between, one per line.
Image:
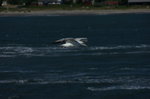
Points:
x=137 y=52
x=7 y=56
x=14 y=51
x=24 y=50
x=61 y=54
x=12 y=81
x=23 y=81
x=119 y=47
x=126 y=83
x=20 y=71
x=119 y=88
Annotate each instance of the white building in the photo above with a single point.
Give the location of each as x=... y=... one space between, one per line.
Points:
x=49 y=2
x=4 y=3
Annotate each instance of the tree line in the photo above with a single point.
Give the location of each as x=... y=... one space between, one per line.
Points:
x=26 y=2
x=29 y=2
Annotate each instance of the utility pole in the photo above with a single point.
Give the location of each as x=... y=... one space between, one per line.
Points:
x=93 y=2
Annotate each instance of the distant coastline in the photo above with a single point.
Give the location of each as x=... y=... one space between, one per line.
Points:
x=72 y=12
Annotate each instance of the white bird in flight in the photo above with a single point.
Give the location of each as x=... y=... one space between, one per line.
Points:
x=72 y=42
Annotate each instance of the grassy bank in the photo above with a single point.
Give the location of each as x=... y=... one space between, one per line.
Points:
x=73 y=7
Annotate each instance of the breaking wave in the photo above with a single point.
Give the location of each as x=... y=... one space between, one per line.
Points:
x=121 y=47
x=15 y=51
x=119 y=88
x=92 y=82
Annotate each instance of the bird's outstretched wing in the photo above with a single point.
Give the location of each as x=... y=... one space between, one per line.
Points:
x=82 y=41
x=63 y=40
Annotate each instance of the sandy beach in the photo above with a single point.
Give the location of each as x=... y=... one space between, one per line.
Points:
x=71 y=12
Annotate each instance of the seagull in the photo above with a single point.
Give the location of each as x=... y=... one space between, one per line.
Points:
x=71 y=42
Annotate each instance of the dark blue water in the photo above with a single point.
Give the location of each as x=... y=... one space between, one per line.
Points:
x=115 y=65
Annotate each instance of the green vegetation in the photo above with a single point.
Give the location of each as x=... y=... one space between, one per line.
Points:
x=73 y=7
x=26 y=5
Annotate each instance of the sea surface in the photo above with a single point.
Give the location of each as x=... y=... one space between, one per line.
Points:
x=115 y=65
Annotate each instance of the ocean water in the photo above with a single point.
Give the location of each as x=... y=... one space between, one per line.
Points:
x=115 y=65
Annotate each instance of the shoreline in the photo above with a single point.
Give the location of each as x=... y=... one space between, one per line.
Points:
x=72 y=12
